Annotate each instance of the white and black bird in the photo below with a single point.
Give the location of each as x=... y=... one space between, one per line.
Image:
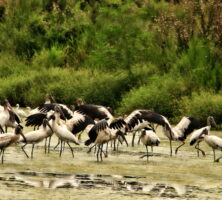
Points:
x=9 y=138
x=184 y=128
x=140 y=119
x=214 y=142
x=75 y=123
x=8 y=118
x=61 y=130
x=198 y=135
x=149 y=138
x=104 y=131
x=36 y=136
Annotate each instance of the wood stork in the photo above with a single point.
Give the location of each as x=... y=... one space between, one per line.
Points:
x=36 y=119
x=7 y=117
x=140 y=119
x=104 y=131
x=198 y=135
x=61 y=130
x=36 y=136
x=149 y=138
x=214 y=142
x=184 y=128
x=8 y=138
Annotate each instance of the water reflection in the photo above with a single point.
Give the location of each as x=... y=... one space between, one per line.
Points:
x=90 y=181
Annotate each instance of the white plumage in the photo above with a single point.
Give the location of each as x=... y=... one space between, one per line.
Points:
x=198 y=135
x=214 y=142
x=61 y=130
x=149 y=138
x=35 y=137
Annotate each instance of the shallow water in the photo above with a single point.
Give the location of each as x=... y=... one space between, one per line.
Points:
x=121 y=175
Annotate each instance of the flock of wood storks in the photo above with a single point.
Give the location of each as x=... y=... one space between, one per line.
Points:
x=101 y=126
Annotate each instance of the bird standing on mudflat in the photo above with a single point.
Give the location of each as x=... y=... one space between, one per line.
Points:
x=8 y=138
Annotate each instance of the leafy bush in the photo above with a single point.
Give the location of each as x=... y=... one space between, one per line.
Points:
x=160 y=94
x=201 y=105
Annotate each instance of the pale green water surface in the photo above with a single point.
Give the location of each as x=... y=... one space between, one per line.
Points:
x=122 y=175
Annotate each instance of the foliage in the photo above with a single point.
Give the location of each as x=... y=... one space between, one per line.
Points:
x=124 y=54
x=201 y=105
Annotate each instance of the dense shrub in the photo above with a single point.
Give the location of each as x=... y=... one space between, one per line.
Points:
x=160 y=94
x=124 y=54
x=201 y=105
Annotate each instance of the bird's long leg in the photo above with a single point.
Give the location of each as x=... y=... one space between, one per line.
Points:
x=57 y=144
x=183 y=143
x=101 y=152
x=45 y=145
x=49 y=144
x=198 y=149
x=117 y=146
x=0 y=152
x=96 y=146
x=134 y=134
x=79 y=136
x=114 y=145
x=214 y=155
x=3 y=151
x=147 y=153
x=139 y=140
x=106 y=153
x=90 y=149
x=171 y=150
x=33 y=145
x=198 y=154
x=6 y=128
x=23 y=149
x=97 y=154
x=2 y=131
x=218 y=159
x=71 y=149
x=60 y=154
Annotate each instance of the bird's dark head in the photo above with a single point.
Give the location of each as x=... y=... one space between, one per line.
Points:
x=211 y=121
x=51 y=117
x=110 y=109
x=60 y=112
x=121 y=134
x=6 y=104
x=143 y=132
x=50 y=98
x=18 y=131
x=46 y=123
x=79 y=102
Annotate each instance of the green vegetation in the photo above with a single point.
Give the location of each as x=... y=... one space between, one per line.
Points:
x=126 y=54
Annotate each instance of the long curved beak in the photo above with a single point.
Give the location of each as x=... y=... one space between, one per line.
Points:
x=23 y=137
x=123 y=136
x=60 y=111
x=48 y=124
